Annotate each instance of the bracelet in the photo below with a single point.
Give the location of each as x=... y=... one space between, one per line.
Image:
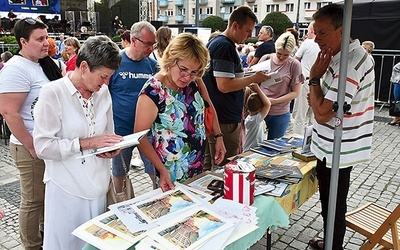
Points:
x=218 y=135
x=81 y=149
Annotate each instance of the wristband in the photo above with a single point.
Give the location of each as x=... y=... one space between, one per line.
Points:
x=218 y=135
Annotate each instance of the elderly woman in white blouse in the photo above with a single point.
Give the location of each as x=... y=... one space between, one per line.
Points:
x=72 y=117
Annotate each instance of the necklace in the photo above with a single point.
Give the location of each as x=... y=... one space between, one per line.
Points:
x=173 y=85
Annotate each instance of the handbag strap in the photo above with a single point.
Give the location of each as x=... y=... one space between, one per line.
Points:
x=123 y=161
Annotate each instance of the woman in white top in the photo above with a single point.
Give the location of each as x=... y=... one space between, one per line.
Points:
x=73 y=117
x=163 y=37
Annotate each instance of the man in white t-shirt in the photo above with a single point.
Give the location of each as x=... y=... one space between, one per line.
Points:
x=302 y=113
x=20 y=82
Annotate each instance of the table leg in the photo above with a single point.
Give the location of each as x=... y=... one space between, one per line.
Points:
x=269 y=240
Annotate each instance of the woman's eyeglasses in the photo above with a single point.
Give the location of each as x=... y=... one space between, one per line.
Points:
x=184 y=72
x=148 y=44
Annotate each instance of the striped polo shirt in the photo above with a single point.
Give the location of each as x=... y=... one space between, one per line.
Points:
x=357 y=126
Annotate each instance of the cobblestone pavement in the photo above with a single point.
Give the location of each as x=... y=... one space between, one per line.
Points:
x=377 y=181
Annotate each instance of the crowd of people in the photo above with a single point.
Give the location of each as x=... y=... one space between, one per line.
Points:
x=87 y=96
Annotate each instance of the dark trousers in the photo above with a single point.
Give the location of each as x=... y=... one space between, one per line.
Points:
x=324 y=180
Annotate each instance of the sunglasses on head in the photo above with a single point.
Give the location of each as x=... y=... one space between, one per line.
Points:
x=31 y=21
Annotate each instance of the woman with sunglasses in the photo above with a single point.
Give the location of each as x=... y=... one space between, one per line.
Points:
x=171 y=105
x=20 y=82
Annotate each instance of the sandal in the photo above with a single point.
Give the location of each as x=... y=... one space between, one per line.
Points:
x=316 y=243
x=394 y=122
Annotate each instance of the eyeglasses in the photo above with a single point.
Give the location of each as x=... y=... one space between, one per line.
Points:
x=184 y=72
x=148 y=44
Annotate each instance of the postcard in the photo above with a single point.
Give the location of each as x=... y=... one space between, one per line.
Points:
x=106 y=231
x=191 y=229
x=166 y=204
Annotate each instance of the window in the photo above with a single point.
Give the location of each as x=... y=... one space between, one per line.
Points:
x=182 y=11
x=209 y=10
x=194 y=11
x=231 y=9
x=307 y=5
x=255 y=8
x=322 y=4
x=169 y=12
x=222 y=10
x=289 y=7
x=200 y=11
x=272 y=8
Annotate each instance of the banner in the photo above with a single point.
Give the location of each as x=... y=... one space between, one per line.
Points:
x=31 y=6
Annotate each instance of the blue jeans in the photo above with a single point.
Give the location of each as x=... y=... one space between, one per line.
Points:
x=396 y=91
x=277 y=125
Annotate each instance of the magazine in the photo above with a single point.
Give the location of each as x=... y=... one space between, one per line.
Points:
x=129 y=140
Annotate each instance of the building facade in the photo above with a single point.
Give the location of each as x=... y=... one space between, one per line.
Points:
x=182 y=12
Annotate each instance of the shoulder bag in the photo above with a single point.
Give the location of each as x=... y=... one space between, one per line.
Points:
x=127 y=189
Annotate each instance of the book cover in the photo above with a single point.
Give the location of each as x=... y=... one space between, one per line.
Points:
x=271 y=172
x=265 y=151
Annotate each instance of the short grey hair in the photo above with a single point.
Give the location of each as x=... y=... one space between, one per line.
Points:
x=137 y=28
x=5 y=56
x=99 y=51
x=269 y=30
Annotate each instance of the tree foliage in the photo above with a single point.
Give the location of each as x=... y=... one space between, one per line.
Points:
x=215 y=23
x=278 y=21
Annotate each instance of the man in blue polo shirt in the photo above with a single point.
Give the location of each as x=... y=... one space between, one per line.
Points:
x=125 y=85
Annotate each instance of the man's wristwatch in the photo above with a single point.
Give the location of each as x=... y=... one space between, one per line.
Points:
x=218 y=135
x=314 y=81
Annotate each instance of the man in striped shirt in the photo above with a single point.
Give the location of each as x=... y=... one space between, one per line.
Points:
x=357 y=125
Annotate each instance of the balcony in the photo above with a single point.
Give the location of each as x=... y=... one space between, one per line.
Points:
x=203 y=2
x=163 y=19
x=227 y=1
x=225 y=16
x=162 y=3
x=202 y=17
x=250 y=1
x=179 y=3
x=179 y=18
x=308 y=14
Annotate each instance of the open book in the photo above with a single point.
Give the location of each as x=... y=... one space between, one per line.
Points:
x=129 y=140
x=266 y=66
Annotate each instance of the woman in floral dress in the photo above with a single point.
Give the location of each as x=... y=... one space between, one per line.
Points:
x=171 y=104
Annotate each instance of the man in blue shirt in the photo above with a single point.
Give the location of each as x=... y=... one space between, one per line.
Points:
x=125 y=85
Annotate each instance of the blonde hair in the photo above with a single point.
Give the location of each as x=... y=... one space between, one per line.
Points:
x=369 y=46
x=286 y=41
x=185 y=46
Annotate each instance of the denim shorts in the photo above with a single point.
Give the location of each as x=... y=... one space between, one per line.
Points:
x=118 y=169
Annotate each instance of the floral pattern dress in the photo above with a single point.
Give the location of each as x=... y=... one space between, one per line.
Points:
x=178 y=133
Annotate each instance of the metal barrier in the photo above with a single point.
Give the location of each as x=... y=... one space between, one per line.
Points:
x=384 y=63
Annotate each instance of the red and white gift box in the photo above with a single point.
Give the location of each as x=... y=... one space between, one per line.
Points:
x=239 y=179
